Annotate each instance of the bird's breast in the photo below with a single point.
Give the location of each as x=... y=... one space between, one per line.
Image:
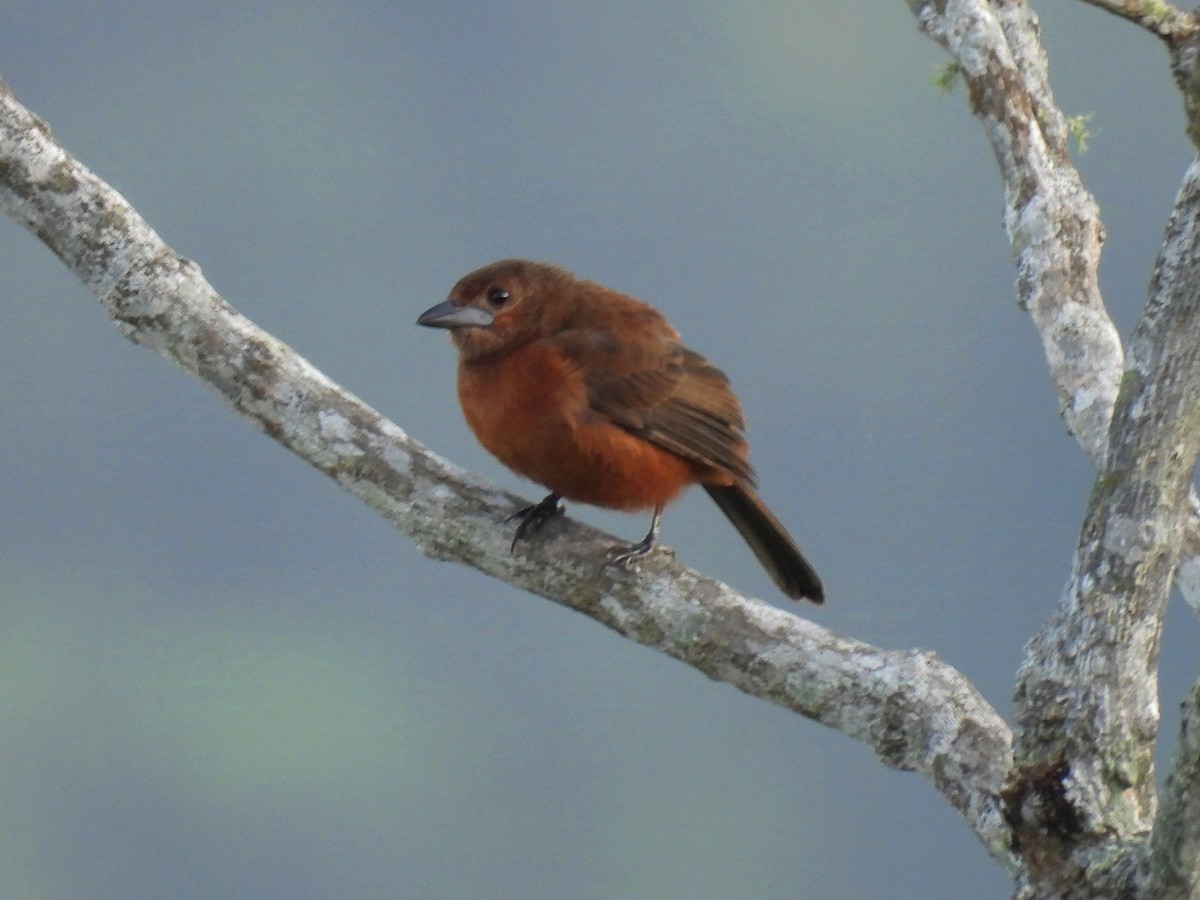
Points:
x=529 y=409
x=521 y=404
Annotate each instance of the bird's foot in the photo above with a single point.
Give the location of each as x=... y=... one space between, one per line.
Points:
x=629 y=557
x=530 y=518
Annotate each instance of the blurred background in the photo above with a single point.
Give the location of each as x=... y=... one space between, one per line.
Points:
x=220 y=676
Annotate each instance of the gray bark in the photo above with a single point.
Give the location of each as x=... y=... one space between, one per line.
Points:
x=1081 y=797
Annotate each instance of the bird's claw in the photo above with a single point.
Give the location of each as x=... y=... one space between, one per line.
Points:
x=629 y=557
x=532 y=517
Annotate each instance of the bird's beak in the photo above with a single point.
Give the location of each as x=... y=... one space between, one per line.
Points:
x=447 y=315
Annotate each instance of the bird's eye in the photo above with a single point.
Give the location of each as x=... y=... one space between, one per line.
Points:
x=497 y=297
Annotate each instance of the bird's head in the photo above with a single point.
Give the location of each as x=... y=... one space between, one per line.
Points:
x=502 y=306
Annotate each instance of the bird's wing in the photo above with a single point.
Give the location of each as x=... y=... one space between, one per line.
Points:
x=646 y=382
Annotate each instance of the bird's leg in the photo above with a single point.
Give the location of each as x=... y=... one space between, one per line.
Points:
x=531 y=518
x=629 y=556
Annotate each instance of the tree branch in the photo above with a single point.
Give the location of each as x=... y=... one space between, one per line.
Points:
x=1087 y=696
x=1053 y=223
x=1082 y=798
x=1173 y=867
x=1180 y=31
x=1160 y=19
x=915 y=711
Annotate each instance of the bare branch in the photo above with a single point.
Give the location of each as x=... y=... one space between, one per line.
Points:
x=1052 y=222
x=1082 y=799
x=1160 y=19
x=1173 y=868
x=1180 y=31
x=1087 y=696
x=1174 y=862
x=915 y=711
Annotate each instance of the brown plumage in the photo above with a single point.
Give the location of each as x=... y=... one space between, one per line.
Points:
x=590 y=393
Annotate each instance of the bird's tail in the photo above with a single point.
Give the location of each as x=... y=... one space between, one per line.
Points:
x=769 y=540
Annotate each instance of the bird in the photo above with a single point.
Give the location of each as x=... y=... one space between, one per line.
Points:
x=590 y=393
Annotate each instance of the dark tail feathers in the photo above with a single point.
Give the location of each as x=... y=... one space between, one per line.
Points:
x=769 y=540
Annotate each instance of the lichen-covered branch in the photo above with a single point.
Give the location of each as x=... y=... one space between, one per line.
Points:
x=1173 y=867
x=1053 y=224
x=1159 y=18
x=1087 y=696
x=915 y=711
x=1180 y=31
x=1082 y=797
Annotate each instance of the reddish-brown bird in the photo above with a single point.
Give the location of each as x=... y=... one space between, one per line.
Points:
x=590 y=393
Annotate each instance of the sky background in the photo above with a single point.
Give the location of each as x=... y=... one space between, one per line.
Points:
x=221 y=676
